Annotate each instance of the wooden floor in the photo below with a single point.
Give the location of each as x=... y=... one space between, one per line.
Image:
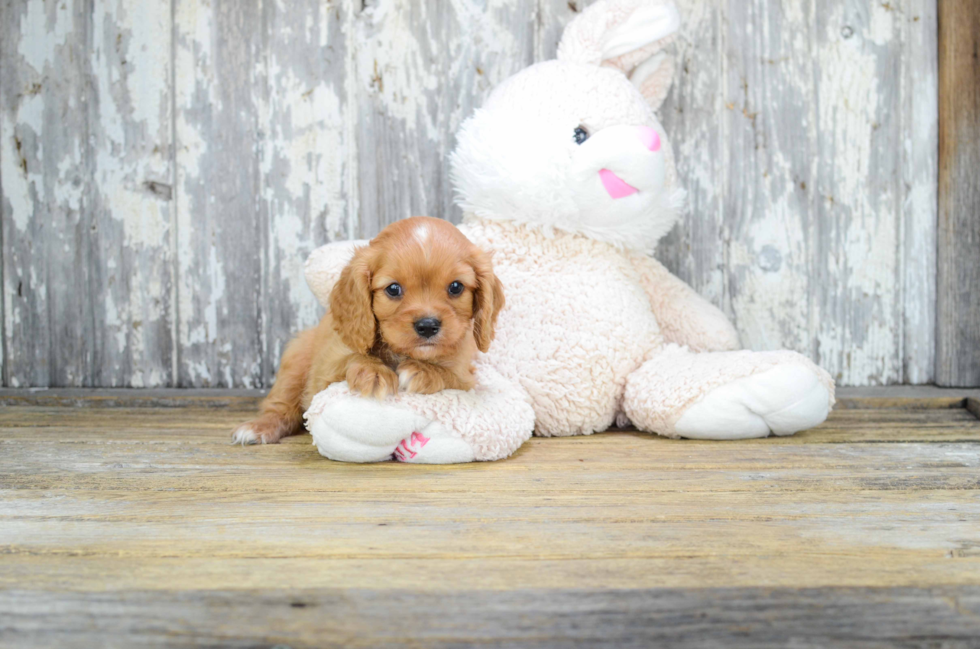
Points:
x=128 y=526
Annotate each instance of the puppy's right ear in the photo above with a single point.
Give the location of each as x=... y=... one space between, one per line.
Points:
x=489 y=300
x=351 y=303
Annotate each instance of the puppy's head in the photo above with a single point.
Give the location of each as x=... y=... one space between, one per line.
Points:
x=422 y=287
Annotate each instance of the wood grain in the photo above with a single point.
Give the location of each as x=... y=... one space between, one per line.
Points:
x=218 y=53
x=900 y=397
x=420 y=68
x=306 y=177
x=153 y=234
x=743 y=617
x=85 y=147
x=142 y=525
x=958 y=304
x=782 y=232
x=919 y=201
x=694 y=116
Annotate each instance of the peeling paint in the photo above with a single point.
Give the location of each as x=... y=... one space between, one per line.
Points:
x=420 y=69
x=79 y=102
x=809 y=131
x=49 y=26
x=805 y=135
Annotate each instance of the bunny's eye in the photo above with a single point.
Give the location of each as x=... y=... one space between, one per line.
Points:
x=581 y=134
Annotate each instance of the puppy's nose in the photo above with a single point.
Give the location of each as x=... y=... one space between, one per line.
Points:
x=427 y=327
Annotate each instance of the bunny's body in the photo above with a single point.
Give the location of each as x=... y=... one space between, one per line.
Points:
x=568 y=176
x=578 y=324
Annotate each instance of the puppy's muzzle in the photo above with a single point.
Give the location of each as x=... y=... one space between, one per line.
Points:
x=427 y=327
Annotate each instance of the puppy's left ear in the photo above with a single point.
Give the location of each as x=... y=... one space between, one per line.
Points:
x=489 y=300
x=351 y=303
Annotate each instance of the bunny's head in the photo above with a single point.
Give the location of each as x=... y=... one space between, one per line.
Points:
x=573 y=144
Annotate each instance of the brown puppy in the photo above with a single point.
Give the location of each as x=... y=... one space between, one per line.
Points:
x=409 y=310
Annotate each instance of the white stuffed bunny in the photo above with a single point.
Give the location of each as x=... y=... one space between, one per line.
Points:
x=567 y=176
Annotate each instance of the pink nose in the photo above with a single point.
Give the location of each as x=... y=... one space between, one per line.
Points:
x=649 y=137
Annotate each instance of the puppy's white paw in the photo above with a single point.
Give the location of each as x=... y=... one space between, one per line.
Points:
x=782 y=400
x=405 y=375
x=245 y=435
x=265 y=429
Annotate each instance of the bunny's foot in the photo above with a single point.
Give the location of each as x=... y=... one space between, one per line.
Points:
x=727 y=395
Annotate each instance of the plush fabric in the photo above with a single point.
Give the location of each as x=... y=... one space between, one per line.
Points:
x=364 y=430
x=661 y=392
x=567 y=175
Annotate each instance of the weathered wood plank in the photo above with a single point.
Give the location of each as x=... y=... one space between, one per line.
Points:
x=176 y=431
x=767 y=184
x=143 y=525
x=223 y=413
x=42 y=135
x=85 y=143
x=306 y=144
x=671 y=465
x=420 y=68
x=776 y=211
x=552 y=17
x=611 y=511
x=407 y=572
x=813 y=105
x=958 y=303
x=920 y=148
x=329 y=120
x=901 y=397
x=637 y=534
x=160 y=505
x=220 y=233
x=113 y=398
x=694 y=118
x=745 y=617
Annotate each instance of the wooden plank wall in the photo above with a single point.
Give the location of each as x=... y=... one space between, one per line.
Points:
x=167 y=166
x=958 y=306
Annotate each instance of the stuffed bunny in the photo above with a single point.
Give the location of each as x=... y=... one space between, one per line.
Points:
x=567 y=176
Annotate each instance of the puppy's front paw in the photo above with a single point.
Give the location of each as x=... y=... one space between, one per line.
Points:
x=371 y=379
x=266 y=429
x=422 y=378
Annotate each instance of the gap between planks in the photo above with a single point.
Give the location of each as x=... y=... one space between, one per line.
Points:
x=887 y=397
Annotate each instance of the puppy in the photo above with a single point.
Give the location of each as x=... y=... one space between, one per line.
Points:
x=409 y=310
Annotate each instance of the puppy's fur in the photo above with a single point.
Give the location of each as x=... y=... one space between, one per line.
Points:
x=369 y=336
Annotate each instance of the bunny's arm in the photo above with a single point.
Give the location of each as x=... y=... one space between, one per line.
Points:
x=685 y=317
x=324 y=265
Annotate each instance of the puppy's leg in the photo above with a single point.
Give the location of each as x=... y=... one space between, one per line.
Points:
x=370 y=377
x=429 y=378
x=281 y=412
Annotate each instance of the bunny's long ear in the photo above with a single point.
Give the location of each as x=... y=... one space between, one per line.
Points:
x=628 y=35
x=653 y=78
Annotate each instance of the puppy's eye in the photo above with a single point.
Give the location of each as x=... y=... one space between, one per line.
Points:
x=394 y=290
x=581 y=134
x=456 y=288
